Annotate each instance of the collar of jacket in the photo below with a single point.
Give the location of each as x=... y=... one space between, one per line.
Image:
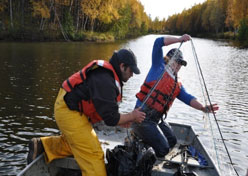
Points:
x=115 y=63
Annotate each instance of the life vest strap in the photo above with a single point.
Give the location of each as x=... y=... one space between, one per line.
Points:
x=69 y=84
x=81 y=75
x=155 y=98
x=147 y=85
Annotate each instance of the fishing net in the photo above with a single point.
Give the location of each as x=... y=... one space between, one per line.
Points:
x=134 y=158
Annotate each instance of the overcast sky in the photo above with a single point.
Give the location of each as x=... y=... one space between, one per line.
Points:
x=165 y=8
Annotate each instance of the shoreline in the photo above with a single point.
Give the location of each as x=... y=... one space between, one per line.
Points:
x=230 y=41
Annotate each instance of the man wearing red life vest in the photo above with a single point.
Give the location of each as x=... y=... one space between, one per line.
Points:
x=87 y=97
x=156 y=97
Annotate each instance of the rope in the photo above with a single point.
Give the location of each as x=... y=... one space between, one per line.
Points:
x=205 y=101
x=208 y=97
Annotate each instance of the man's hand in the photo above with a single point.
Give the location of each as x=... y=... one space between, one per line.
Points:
x=135 y=116
x=185 y=38
x=138 y=116
x=208 y=108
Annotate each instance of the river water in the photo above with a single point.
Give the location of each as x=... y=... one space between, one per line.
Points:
x=31 y=74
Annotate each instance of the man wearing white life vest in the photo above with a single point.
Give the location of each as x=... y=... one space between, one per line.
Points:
x=87 y=97
x=158 y=93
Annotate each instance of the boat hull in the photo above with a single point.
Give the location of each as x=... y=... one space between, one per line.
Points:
x=167 y=167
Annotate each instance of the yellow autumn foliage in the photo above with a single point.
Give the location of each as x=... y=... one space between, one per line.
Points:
x=40 y=9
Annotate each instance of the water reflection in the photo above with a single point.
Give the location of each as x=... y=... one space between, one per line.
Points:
x=32 y=73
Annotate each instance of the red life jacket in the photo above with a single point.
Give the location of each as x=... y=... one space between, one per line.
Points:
x=78 y=77
x=162 y=96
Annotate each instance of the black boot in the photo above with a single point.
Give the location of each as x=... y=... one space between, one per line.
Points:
x=35 y=149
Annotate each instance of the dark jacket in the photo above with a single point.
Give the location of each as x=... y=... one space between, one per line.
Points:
x=100 y=87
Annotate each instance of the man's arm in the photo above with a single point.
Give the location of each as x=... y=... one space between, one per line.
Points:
x=168 y=40
x=190 y=100
x=197 y=105
x=103 y=93
x=135 y=116
x=157 y=52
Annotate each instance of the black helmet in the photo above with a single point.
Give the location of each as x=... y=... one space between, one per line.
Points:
x=126 y=56
x=178 y=56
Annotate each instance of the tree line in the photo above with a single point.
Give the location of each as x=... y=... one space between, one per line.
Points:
x=217 y=18
x=72 y=19
x=115 y=19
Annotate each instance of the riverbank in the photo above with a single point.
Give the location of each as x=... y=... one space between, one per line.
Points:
x=50 y=36
x=87 y=36
x=229 y=37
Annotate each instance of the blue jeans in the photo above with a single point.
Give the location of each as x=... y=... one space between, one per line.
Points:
x=158 y=135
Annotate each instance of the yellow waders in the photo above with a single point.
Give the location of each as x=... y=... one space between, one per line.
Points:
x=78 y=139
